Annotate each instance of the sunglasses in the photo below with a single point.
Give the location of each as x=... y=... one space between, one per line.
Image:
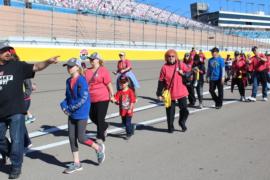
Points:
x=8 y=49
x=83 y=54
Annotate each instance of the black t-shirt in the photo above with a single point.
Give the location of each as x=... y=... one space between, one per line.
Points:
x=12 y=75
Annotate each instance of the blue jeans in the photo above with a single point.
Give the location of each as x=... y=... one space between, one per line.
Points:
x=259 y=77
x=268 y=84
x=16 y=126
x=126 y=121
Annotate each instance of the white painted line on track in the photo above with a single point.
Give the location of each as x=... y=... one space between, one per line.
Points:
x=118 y=130
x=113 y=115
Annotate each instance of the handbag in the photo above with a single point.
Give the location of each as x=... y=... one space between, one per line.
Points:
x=166 y=94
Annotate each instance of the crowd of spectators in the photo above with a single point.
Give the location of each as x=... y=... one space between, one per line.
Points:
x=129 y=8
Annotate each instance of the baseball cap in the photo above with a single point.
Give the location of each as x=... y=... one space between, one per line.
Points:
x=4 y=47
x=123 y=79
x=73 y=62
x=84 y=51
x=215 y=49
x=94 y=55
x=122 y=54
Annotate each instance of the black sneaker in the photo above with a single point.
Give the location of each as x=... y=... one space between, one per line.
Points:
x=15 y=173
x=128 y=136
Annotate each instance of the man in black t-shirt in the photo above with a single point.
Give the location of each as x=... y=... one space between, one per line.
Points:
x=12 y=110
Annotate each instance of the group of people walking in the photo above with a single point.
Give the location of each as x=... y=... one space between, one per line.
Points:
x=89 y=91
x=182 y=78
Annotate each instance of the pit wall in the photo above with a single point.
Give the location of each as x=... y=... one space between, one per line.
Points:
x=35 y=54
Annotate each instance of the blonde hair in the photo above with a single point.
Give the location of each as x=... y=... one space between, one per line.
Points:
x=81 y=70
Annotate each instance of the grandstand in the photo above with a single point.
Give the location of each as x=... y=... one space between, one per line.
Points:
x=253 y=26
x=111 y=23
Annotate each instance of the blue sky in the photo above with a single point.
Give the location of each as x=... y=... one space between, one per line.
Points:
x=182 y=6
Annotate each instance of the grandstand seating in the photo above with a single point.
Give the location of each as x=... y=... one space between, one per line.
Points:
x=128 y=8
x=34 y=25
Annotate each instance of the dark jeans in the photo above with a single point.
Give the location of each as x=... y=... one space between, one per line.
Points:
x=170 y=112
x=126 y=121
x=240 y=83
x=16 y=126
x=27 y=140
x=97 y=114
x=259 y=77
x=191 y=94
x=212 y=87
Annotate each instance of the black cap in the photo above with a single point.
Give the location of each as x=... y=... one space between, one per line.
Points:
x=236 y=53
x=254 y=48
x=123 y=79
x=215 y=49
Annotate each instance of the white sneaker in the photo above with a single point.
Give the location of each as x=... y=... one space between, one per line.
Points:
x=252 y=99
x=265 y=99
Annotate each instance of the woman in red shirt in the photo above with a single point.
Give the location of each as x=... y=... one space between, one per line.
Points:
x=239 y=71
x=101 y=92
x=171 y=72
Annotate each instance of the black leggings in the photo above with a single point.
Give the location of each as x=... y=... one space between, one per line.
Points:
x=76 y=131
x=170 y=112
x=240 y=83
x=97 y=114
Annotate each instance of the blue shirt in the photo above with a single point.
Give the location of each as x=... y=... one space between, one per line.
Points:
x=215 y=68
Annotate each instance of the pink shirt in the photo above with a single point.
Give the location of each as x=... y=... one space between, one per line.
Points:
x=123 y=64
x=98 y=87
x=178 y=89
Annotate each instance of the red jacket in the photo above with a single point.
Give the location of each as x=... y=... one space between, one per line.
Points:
x=257 y=64
x=178 y=90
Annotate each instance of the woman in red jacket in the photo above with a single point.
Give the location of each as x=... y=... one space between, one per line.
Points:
x=171 y=78
x=239 y=71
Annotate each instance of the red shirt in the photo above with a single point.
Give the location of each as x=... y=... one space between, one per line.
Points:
x=73 y=82
x=123 y=64
x=178 y=89
x=98 y=87
x=268 y=60
x=257 y=64
x=192 y=54
x=125 y=98
x=202 y=57
x=239 y=65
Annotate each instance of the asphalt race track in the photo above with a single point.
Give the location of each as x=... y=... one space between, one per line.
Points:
x=227 y=144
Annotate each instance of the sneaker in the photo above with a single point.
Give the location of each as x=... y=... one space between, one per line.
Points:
x=243 y=99
x=29 y=119
x=200 y=106
x=15 y=173
x=265 y=99
x=101 y=153
x=128 y=136
x=3 y=159
x=73 y=167
x=252 y=99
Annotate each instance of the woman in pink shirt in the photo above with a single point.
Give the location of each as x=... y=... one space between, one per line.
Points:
x=101 y=92
x=171 y=73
